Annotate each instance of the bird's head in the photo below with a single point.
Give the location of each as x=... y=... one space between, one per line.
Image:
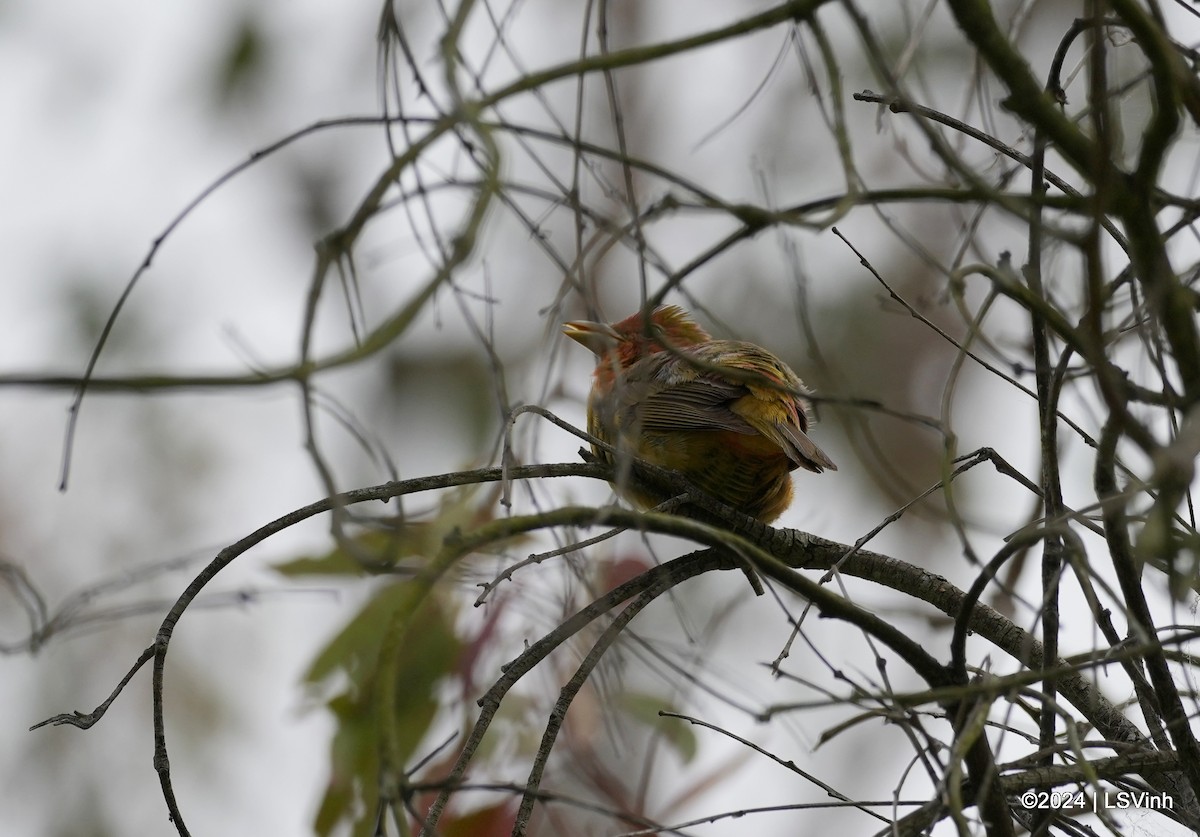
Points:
x=624 y=343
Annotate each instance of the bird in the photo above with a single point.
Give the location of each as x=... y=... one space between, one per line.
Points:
x=728 y=415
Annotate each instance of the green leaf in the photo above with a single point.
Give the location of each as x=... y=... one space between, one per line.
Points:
x=378 y=548
x=352 y=757
x=428 y=654
x=644 y=709
x=244 y=63
x=384 y=548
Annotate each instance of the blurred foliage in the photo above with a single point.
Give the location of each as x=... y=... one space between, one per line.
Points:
x=645 y=709
x=239 y=75
x=350 y=665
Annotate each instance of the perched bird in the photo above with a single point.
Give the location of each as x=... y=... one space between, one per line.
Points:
x=726 y=414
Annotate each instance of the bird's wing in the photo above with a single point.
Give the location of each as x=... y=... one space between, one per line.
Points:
x=802 y=450
x=666 y=393
x=700 y=404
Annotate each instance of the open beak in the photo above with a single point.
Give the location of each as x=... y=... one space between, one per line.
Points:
x=597 y=337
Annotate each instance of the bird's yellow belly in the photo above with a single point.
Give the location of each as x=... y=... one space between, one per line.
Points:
x=750 y=473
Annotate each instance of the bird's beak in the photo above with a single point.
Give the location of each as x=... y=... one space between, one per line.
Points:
x=598 y=337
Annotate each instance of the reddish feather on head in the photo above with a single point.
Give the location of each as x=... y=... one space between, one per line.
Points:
x=669 y=325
